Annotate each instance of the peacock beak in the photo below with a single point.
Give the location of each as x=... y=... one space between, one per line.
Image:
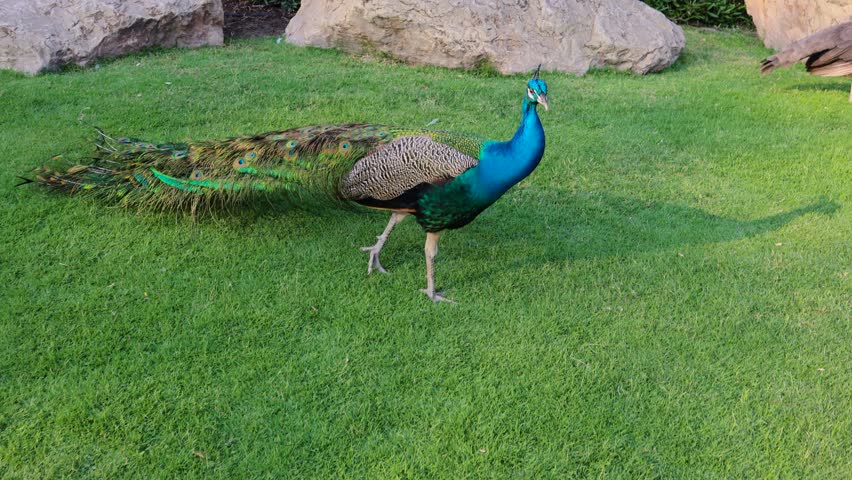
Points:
x=542 y=99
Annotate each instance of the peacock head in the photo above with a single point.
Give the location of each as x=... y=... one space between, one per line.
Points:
x=537 y=90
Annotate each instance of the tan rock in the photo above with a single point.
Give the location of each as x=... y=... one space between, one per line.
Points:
x=781 y=22
x=45 y=34
x=513 y=35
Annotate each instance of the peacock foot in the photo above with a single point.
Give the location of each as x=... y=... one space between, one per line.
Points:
x=374 y=258
x=437 y=296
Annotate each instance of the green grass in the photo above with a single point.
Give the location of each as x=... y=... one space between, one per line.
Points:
x=667 y=296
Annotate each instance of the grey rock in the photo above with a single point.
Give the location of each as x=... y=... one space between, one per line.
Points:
x=512 y=35
x=38 y=35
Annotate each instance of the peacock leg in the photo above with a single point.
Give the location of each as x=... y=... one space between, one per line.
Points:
x=374 y=250
x=431 y=251
x=850 y=94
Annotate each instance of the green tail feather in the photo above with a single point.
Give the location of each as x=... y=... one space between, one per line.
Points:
x=295 y=166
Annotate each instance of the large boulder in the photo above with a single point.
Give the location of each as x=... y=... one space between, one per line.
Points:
x=512 y=35
x=781 y=22
x=45 y=34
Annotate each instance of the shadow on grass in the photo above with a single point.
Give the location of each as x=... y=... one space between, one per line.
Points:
x=562 y=227
x=599 y=225
x=531 y=226
x=810 y=87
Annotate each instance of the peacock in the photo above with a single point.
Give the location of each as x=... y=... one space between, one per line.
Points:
x=444 y=179
x=828 y=53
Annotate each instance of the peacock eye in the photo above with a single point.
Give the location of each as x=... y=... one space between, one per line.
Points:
x=241 y=161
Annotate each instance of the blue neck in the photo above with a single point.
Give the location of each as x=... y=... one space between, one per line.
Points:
x=503 y=164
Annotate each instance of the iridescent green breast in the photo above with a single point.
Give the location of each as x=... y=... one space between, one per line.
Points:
x=452 y=205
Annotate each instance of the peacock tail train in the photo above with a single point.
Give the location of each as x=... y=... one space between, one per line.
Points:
x=297 y=167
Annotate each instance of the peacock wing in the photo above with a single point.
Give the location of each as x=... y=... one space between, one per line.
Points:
x=834 y=62
x=821 y=41
x=405 y=163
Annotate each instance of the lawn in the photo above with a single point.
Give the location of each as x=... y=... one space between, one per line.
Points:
x=667 y=296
